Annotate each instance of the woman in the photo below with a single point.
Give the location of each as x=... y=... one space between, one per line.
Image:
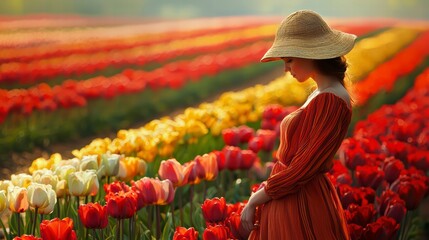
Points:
x=298 y=201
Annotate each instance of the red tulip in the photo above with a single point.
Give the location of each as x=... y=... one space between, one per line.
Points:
x=220 y=158
x=348 y=195
x=369 y=176
x=245 y=133
x=182 y=233
x=236 y=207
x=411 y=190
x=355 y=231
x=230 y=136
x=218 y=232
x=116 y=187
x=27 y=237
x=396 y=209
x=232 y=157
x=419 y=159
x=121 y=205
x=155 y=192
x=360 y=215
x=233 y=222
x=353 y=158
x=93 y=215
x=255 y=144
x=384 y=228
x=268 y=137
x=57 y=229
x=214 y=210
x=248 y=158
x=392 y=168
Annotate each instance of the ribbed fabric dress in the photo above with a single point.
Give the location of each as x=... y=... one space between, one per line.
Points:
x=304 y=202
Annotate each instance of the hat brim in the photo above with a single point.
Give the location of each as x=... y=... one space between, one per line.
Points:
x=333 y=45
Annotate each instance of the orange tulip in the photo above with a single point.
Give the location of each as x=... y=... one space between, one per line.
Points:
x=209 y=166
x=215 y=210
x=182 y=233
x=27 y=237
x=17 y=199
x=56 y=229
x=172 y=170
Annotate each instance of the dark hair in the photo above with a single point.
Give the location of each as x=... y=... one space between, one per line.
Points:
x=335 y=67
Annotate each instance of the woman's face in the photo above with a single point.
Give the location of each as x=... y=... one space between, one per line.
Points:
x=300 y=68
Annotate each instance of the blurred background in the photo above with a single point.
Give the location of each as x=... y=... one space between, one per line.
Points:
x=415 y=9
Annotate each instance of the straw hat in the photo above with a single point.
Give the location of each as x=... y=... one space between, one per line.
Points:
x=304 y=34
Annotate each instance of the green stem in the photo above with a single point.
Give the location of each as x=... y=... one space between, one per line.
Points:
x=204 y=190
x=102 y=234
x=172 y=214
x=191 y=196
x=19 y=223
x=35 y=220
x=118 y=230
x=95 y=233
x=131 y=226
x=158 y=222
x=6 y=234
x=180 y=207
x=58 y=208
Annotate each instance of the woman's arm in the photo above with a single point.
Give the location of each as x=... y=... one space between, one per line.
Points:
x=248 y=213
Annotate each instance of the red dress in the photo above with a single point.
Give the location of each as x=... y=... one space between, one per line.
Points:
x=304 y=202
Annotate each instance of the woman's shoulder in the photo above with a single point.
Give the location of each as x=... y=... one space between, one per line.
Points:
x=337 y=92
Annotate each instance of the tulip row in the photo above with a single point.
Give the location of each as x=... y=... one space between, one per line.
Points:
x=173 y=75
x=213 y=229
x=73 y=93
x=159 y=138
x=75 y=37
x=371 y=52
x=127 y=143
x=41 y=69
x=384 y=77
x=132 y=40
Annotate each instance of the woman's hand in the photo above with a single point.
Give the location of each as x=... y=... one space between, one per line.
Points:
x=247 y=217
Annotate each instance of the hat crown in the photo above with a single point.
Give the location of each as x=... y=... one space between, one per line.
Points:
x=303 y=25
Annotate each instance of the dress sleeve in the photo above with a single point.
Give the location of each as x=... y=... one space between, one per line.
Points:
x=324 y=126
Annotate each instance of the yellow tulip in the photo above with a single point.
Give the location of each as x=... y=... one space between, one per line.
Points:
x=129 y=167
x=5 y=184
x=21 y=180
x=17 y=199
x=61 y=189
x=3 y=201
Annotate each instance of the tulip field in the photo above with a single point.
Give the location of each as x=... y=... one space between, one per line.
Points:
x=188 y=175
